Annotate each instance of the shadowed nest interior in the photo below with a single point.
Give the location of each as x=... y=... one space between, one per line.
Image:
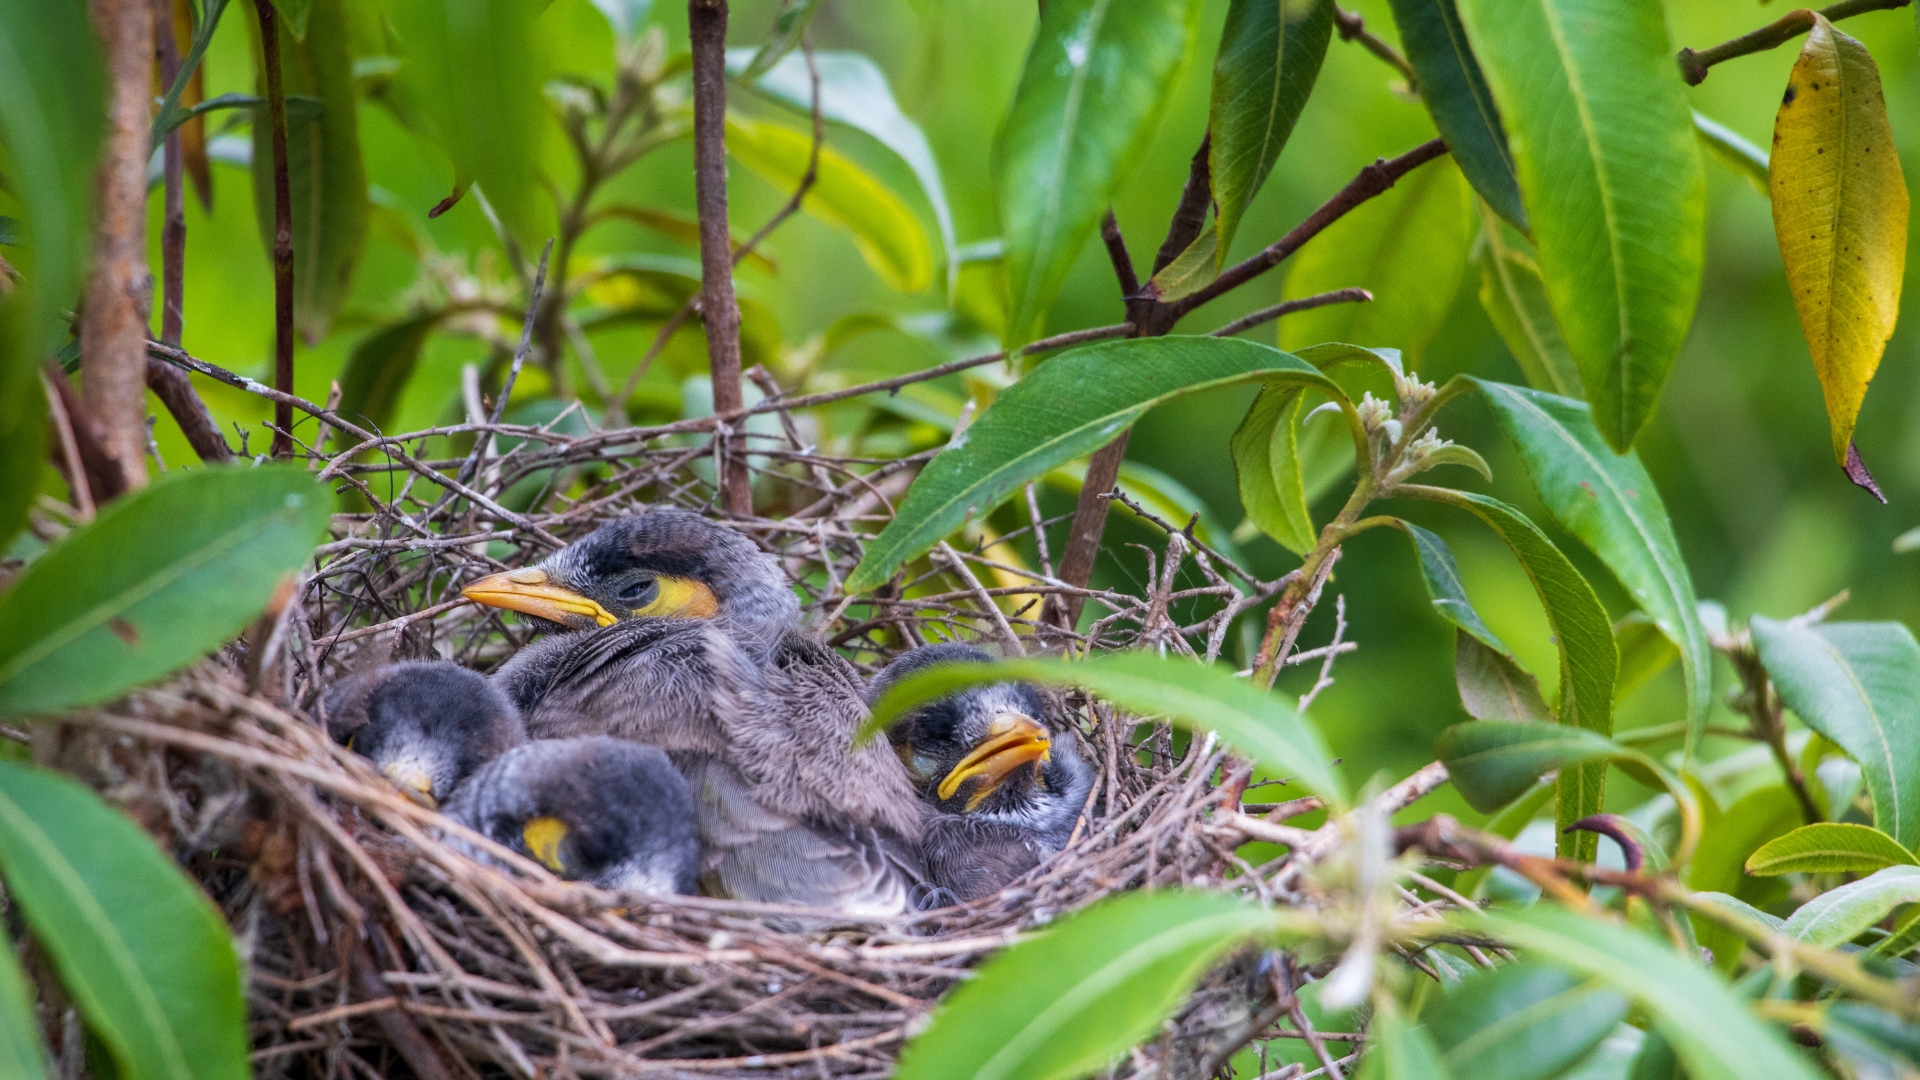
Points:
x=375 y=949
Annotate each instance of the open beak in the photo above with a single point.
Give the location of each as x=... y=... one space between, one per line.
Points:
x=528 y=591
x=412 y=781
x=1013 y=740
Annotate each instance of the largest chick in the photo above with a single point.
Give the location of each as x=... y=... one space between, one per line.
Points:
x=685 y=636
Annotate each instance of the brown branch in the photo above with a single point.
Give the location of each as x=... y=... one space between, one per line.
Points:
x=1694 y=65
x=1354 y=28
x=1373 y=180
x=71 y=462
x=282 y=229
x=1191 y=215
x=1305 y=303
x=1117 y=254
x=113 y=321
x=707 y=26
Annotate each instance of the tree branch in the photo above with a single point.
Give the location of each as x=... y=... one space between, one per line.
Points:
x=1117 y=254
x=1191 y=215
x=1305 y=303
x=1354 y=28
x=707 y=24
x=282 y=229
x=1694 y=65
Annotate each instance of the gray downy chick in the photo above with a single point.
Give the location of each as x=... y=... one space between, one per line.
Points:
x=607 y=812
x=426 y=725
x=1006 y=786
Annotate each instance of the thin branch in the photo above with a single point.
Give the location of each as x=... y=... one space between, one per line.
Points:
x=1190 y=216
x=707 y=26
x=1354 y=28
x=1373 y=180
x=1117 y=254
x=282 y=229
x=1694 y=65
x=1305 y=303
x=69 y=440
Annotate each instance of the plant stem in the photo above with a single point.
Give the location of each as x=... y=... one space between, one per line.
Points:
x=707 y=25
x=1354 y=28
x=282 y=229
x=1763 y=711
x=1694 y=65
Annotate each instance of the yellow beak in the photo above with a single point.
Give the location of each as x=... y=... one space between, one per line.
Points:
x=528 y=591
x=543 y=836
x=413 y=782
x=1013 y=740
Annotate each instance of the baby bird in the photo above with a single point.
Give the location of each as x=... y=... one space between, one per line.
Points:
x=607 y=812
x=1006 y=788
x=426 y=725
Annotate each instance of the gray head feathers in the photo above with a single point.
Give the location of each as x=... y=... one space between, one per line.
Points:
x=427 y=725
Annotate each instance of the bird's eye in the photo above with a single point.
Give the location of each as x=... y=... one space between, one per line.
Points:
x=640 y=593
x=922 y=766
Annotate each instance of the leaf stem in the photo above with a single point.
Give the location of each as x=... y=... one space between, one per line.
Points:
x=1354 y=28
x=1694 y=65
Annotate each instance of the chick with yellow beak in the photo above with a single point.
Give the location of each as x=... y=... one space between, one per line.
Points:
x=1006 y=788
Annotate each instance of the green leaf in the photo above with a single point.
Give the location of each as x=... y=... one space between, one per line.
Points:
x=141 y=950
x=1396 y=1050
x=1494 y=687
x=1456 y=94
x=160 y=577
x=1515 y=300
x=379 y=368
x=788 y=27
x=1266 y=464
x=1494 y=762
x=1604 y=148
x=854 y=92
x=1859 y=685
x=1840 y=214
x=1644 y=653
x=1270 y=54
x=22 y=1054
x=1756 y=818
x=1258 y=724
x=1829 y=847
x=1060 y=1006
x=1717 y=1038
x=1611 y=504
x=1836 y=917
x=625 y=16
x=1871 y=1041
x=1731 y=149
x=1191 y=270
x=1444 y=587
x=1581 y=633
x=843 y=195
x=295 y=13
x=1409 y=246
x=1095 y=82
x=325 y=178
x=1506 y=824
x=1070 y=405
x=1522 y=1021
x=472 y=69
x=1904 y=937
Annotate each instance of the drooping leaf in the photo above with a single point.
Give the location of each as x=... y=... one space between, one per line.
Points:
x=1829 y=847
x=1859 y=685
x=1061 y=1005
x=1095 y=81
x=1611 y=504
x=379 y=368
x=1604 y=148
x=1396 y=1050
x=1068 y=406
x=472 y=71
x=1516 y=302
x=1409 y=246
x=1258 y=724
x=1838 y=916
x=1269 y=57
x=1644 y=652
x=163 y=575
x=1522 y=1021
x=142 y=951
x=1266 y=464
x=788 y=27
x=1444 y=587
x=1584 y=638
x=843 y=195
x=22 y=1054
x=1714 y=1033
x=1494 y=687
x=1730 y=148
x=1456 y=95
x=854 y=92
x=325 y=178
x=52 y=119
x=1840 y=214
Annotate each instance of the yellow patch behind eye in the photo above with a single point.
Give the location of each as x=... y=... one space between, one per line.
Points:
x=682 y=598
x=543 y=836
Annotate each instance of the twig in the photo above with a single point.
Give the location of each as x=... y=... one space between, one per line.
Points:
x=707 y=27
x=1305 y=303
x=1117 y=254
x=1354 y=28
x=1694 y=65
x=63 y=428
x=1191 y=213
x=1333 y=650
x=282 y=229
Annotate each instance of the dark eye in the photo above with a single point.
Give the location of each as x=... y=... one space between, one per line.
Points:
x=640 y=593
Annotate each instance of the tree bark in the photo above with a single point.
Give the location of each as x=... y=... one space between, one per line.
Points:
x=113 y=324
x=707 y=25
x=282 y=229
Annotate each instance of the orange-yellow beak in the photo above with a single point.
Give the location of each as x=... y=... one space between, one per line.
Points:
x=528 y=591
x=1013 y=740
x=414 y=783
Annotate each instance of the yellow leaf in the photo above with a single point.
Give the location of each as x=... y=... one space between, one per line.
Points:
x=1840 y=212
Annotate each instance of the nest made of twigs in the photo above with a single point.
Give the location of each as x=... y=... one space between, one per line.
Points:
x=374 y=948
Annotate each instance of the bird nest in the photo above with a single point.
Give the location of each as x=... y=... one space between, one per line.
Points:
x=375 y=948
